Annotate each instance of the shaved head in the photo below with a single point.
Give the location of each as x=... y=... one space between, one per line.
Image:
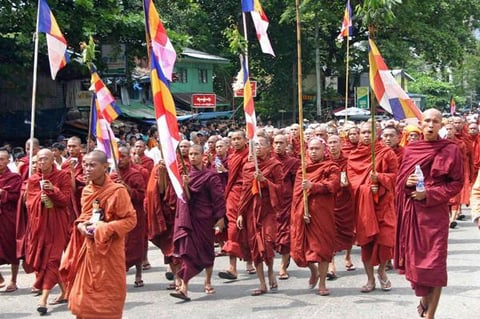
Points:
x=432 y=112
x=98 y=156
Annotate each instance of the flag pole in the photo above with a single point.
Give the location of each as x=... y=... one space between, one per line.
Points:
x=306 y=214
x=346 y=76
x=90 y=118
x=373 y=137
x=250 y=142
x=34 y=92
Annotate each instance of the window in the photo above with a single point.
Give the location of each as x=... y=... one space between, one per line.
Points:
x=203 y=75
x=180 y=76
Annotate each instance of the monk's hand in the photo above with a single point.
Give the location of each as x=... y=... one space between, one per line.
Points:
x=220 y=224
x=240 y=222
x=259 y=177
x=306 y=218
x=186 y=180
x=419 y=195
x=306 y=184
x=374 y=188
x=374 y=177
x=47 y=185
x=411 y=180
x=82 y=228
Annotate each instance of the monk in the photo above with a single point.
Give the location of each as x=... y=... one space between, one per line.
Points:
x=257 y=213
x=422 y=217
x=344 y=208
x=135 y=185
x=232 y=246
x=94 y=262
x=351 y=143
x=140 y=157
x=313 y=232
x=73 y=165
x=475 y=137
x=10 y=184
x=289 y=170
x=23 y=165
x=221 y=167
x=47 y=198
x=194 y=223
x=374 y=203
x=391 y=138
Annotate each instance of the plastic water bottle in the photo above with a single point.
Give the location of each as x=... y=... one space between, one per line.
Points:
x=420 y=179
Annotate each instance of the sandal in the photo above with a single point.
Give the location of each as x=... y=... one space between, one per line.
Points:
x=172 y=286
x=209 y=290
x=11 y=287
x=368 y=288
x=138 y=284
x=350 y=267
x=323 y=292
x=331 y=275
x=58 y=301
x=274 y=287
x=146 y=266
x=251 y=271
x=284 y=276
x=421 y=309
x=385 y=285
x=258 y=292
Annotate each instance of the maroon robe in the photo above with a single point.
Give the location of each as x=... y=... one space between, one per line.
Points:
x=289 y=170
x=76 y=194
x=344 y=211
x=375 y=220
x=48 y=228
x=135 y=240
x=399 y=153
x=475 y=156
x=160 y=205
x=422 y=226
x=315 y=242
x=259 y=213
x=10 y=183
x=348 y=147
x=146 y=162
x=236 y=161
x=194 y=235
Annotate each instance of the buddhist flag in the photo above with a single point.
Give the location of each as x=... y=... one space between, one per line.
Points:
x=391 y=97
x=57 y=45
x=102 y=130
x=104 y=112
x=346 y=29
x=158 y=39
x=453 y=106
x=261 y=23
x=248 y=103
x=163 y=101
x=107 y=104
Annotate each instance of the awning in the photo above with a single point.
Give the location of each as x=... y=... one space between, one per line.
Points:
x=204 y=116
x=140 y=111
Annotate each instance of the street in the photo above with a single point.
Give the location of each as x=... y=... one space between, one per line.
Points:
x=461 y=299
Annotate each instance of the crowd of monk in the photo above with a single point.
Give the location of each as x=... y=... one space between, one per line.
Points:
x=70 y=222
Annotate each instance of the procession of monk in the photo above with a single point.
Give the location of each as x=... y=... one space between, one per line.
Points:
x=81 y=222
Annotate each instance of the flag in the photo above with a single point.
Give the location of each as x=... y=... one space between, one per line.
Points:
x=56 y=43
x=248 y=103
x=104 y=112
x=453 y=106
x=261 y=23
x=102 y=130
x=158 y=39
x=107 y=104
x=388 y=92
x=165 y=112
x=346 y=29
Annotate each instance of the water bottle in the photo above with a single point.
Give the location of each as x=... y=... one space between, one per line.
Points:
x=420 y=187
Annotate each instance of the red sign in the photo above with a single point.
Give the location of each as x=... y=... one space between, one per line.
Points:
x=207 y=100
x=253 y=85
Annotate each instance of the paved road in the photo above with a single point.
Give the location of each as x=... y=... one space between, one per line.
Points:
x=461 y=299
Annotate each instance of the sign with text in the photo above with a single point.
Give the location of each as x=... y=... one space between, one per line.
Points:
x=207 y=100
x=362 y=97
x=253 y=85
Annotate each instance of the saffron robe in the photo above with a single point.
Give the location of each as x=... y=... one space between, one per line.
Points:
x=422 y=226
x=94 y=268
x=76 y=194
x=194 y=236
x=375 y=220
x=10 y=183
x=48 y=228
x=315 y=242
x=289 y=170
x=259 y=213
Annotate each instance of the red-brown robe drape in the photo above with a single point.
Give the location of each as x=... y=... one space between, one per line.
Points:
x=422 y=226
x=315 y=242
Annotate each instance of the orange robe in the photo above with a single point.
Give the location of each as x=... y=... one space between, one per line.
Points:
x=47 y=230
x=95 y=268
x=236 y=161
x=315 y=242
x=375 y=220
x=75 y=205
x=10 y=183
x=135 y=241
x=259 y=213
x=475 y=156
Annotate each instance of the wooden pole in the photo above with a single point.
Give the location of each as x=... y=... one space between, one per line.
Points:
x=34 y=92
x=185 y=172
x=90 y=118
x=346 y=78
x=306 y=214
x=373 y=136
